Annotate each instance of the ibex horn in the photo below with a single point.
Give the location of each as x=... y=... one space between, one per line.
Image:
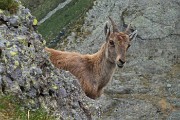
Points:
x=115 y=29
x=128 y=28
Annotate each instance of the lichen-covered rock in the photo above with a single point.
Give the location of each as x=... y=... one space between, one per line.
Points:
x=25 y=70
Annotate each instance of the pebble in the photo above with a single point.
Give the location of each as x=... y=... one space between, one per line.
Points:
x=14 y=21
x=169 y=85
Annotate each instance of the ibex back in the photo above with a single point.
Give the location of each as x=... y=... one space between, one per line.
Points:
x=96 y=70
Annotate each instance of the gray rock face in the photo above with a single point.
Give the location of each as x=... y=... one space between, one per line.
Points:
x=174 y=115
x=149 y=84
x=26 y=72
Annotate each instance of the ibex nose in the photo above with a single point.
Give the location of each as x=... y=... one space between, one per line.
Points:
x=121 y=61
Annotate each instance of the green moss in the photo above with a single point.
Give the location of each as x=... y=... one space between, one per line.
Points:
x=11 y=109
x=44 y=42
x=8 y=44
x=1 y=11
x=35 y=21
x=16 y=64
x=22 y=40
x=13 y=53
x=4 y=59
x=55 y=87
x=10 y=5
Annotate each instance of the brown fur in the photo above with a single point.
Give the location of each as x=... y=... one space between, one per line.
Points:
x=92 y=71
x=96 y=70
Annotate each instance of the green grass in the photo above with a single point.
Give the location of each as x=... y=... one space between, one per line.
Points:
x=11 y=109
x=63 y=18
x=10 y=5
x=40 y=8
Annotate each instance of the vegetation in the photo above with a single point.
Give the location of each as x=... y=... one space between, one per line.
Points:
x=11 y=109
x=10 y=5
x=40 y=8
x=63 y=18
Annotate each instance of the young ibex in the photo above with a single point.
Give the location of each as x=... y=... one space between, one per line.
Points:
x=96 y=70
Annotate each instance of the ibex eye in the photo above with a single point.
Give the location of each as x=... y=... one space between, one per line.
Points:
x=111 y=43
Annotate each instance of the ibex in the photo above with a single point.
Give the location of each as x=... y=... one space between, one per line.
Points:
x=96 y=70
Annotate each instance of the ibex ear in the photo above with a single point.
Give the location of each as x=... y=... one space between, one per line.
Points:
x=133 y=35
x=107 y=30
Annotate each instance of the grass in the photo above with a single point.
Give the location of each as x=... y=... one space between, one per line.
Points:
x=63 y=18
x=40 y=8
x=11 y=109
x=10 y=5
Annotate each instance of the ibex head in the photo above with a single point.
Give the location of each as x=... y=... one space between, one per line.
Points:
x=117 y=43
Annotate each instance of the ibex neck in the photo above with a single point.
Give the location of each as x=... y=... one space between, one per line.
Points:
x=103 y=58
x=105 y=67
x=107 y=63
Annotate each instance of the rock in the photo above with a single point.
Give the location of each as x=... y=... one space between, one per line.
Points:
x=26 y=11
x=174 y=101
x=16 y=74
x=152 y=69
x=63 y=92
x=1 y=68
x=168 y=85
x=4 y=18
x=26 y=72
x=14 y=21
x=2 y=44
x=174 y=115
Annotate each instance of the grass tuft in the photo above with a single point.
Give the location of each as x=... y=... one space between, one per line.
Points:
x=10 y=5
x=11 y=109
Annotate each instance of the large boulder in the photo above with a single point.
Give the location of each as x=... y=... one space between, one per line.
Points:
x=27 y=73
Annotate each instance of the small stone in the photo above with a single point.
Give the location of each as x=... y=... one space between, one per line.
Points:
x=2 y=43
x=14 y=21
x=169 y=85
x=5 y=18
x=16 y=75
x=63 y=92
x=35 y=71
x=26 y=11
x=1 y=69
x=24 y=30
